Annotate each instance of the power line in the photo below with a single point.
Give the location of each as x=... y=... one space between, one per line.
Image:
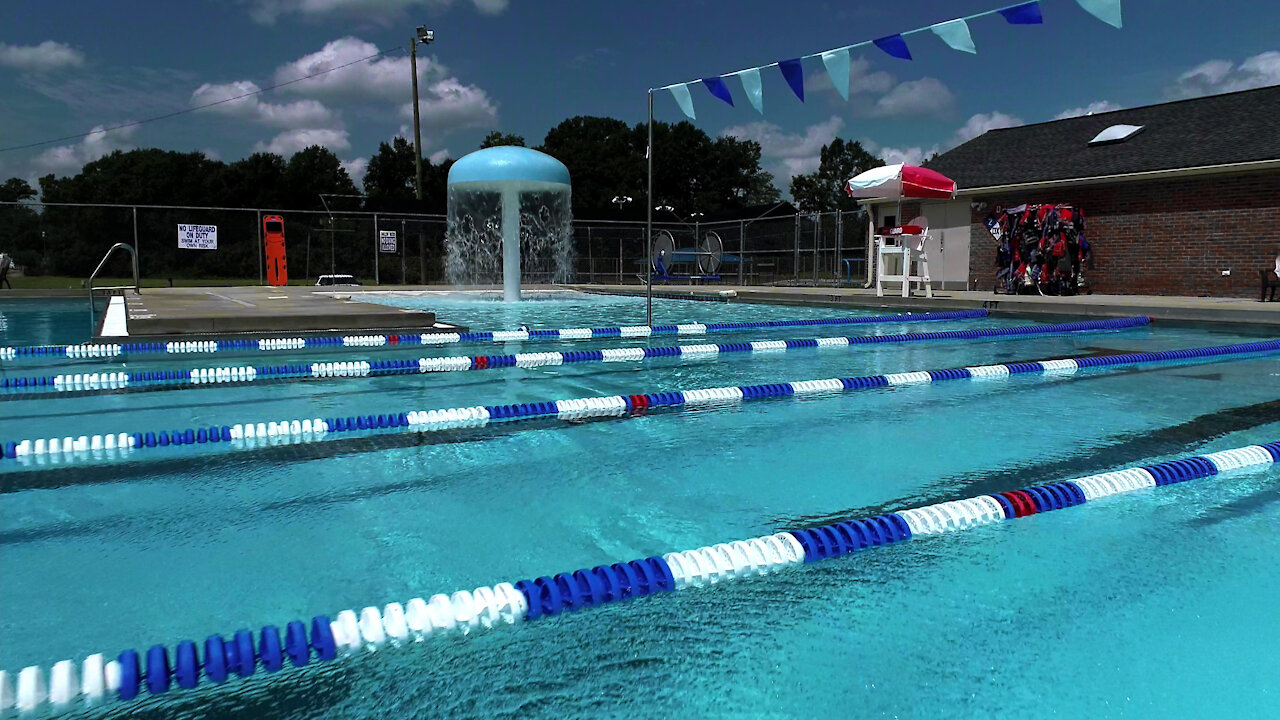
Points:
x=166 y=116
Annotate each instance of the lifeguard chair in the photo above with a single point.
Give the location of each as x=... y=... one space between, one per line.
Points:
x=901 y=257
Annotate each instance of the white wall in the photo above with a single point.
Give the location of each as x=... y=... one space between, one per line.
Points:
x=948 y=243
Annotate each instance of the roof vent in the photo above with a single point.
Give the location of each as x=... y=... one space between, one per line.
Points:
x=1116 y=133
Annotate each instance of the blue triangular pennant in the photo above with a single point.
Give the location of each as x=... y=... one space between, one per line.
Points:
x=718 y=88
x=1024 y=14
x=837 y=62
x=1108 y=11
x=683 y=99
x=895 y=46
x=955 y=33
x=751 y=88
x=793 y=71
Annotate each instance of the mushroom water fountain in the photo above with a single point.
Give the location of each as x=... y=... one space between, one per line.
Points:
x=509 y=216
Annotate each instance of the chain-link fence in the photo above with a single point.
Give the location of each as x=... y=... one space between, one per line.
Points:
x=401 y=248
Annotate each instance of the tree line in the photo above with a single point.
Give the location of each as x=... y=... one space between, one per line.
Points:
x=692 y=172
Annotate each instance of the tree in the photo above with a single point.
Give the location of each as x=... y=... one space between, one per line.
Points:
x=602 y=158
x=315 y=170
x=823 y=191
x=495 y=139
x=20 y=226
x=388 y=182
x=257 y=181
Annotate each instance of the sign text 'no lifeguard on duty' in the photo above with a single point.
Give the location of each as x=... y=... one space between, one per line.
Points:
x=198 y=237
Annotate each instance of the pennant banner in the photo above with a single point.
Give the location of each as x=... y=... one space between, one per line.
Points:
x=837 y=62
x=895 y=46
x=1024 y=14
x=718 y=88
x=751 y=88
x=683 y=99
x=793 y=71
x=956 y=34
x=1108 y=11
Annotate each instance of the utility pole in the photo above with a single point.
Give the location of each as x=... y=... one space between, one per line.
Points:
x=426 y=37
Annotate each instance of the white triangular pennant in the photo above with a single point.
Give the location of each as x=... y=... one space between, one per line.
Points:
x=837 y=62
x=752 y=89
x=1108 y=11
x=683 y=99
x=956 y=34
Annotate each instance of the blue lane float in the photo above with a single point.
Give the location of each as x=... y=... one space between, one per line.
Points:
x=201 y=377
x=205 y=347
x=124 y=678
x=310 y=430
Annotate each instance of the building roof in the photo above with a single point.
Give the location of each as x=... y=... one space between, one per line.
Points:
x=1237 y=127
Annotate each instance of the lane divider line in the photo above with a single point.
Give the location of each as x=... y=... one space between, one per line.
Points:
x=97 y=679
x=198 y=347
x=299 y=430
x=185 y=378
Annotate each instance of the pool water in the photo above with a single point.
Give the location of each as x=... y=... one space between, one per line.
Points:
x=46 y=321
x=1154 y=604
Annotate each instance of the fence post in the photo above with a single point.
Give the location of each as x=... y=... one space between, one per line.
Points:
x=591 y=263
x=258 y=248
x=135 y=243
x=377 y=252
x=835 y=253
x=817 y=240
x=619 y=258
x=795 y=246
x=742 y=249
x=404 y=242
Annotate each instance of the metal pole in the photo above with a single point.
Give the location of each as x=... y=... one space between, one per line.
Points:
x=308 y=263
x=619 y=259
x=591 y=263
x=403 y=246
x=417 y=127
x=377 y=252
x=648 y=224
x=817 y=238
x=135 y=239
x=259 y=249
x=742 y=249
x=795 y=251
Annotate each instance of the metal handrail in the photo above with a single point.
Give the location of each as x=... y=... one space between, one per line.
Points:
x=137 y=288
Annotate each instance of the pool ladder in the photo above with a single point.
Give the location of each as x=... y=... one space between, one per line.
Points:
x=137 y=289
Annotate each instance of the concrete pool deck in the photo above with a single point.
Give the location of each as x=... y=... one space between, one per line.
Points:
x=1178 y=309
x=158 y=312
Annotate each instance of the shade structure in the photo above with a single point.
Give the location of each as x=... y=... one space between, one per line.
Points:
x=900 y=181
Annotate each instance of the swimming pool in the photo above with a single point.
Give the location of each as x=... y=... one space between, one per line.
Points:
x=1150 y=606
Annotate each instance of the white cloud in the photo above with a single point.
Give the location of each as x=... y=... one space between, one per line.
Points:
x=1220 y=76
x=863 y=79
x=786 y=154
x=68 y=159
x=926 y=96
x=291 y=141
x=1097 y=106
x=356 y=169
x=439 y=156
x=982 y=122
x=48 y=55
x=301 y=113
x=446 y=103
x=385 y=11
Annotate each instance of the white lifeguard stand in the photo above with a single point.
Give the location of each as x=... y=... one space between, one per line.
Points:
x=899 y=251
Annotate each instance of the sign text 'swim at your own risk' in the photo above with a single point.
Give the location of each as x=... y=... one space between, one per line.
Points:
x=198 y=237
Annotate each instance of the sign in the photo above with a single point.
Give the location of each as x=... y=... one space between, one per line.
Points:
x=387 y=241
x=198 y=237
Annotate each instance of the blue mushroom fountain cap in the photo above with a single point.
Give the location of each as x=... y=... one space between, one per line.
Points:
x=507 y=163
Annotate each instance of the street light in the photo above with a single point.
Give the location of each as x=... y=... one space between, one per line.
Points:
x=425 y=37
x=621 y=200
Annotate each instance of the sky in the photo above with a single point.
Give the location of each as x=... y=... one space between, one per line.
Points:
x=522 y=66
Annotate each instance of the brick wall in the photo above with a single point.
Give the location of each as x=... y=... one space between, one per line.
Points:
x=1168 y=237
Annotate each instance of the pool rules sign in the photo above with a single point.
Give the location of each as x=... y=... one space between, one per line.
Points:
x=198 y=237
x=387 y=241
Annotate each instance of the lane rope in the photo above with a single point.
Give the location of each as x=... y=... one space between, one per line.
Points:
x=204 y=347
x=203 y=377
x=188 y=665
x=309 y=430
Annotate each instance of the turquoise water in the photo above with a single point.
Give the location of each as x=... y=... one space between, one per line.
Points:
x=1155 y=604
x=50 y=321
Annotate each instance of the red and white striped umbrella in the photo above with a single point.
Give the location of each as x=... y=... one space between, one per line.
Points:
x=901 y=181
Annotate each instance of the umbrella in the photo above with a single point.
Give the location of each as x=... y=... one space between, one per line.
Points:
x=900 y=181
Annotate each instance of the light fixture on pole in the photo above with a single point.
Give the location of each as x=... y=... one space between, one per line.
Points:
x=426 y=37
x=621 y=200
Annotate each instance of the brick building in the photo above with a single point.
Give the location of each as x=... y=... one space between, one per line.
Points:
x=1171 y=206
